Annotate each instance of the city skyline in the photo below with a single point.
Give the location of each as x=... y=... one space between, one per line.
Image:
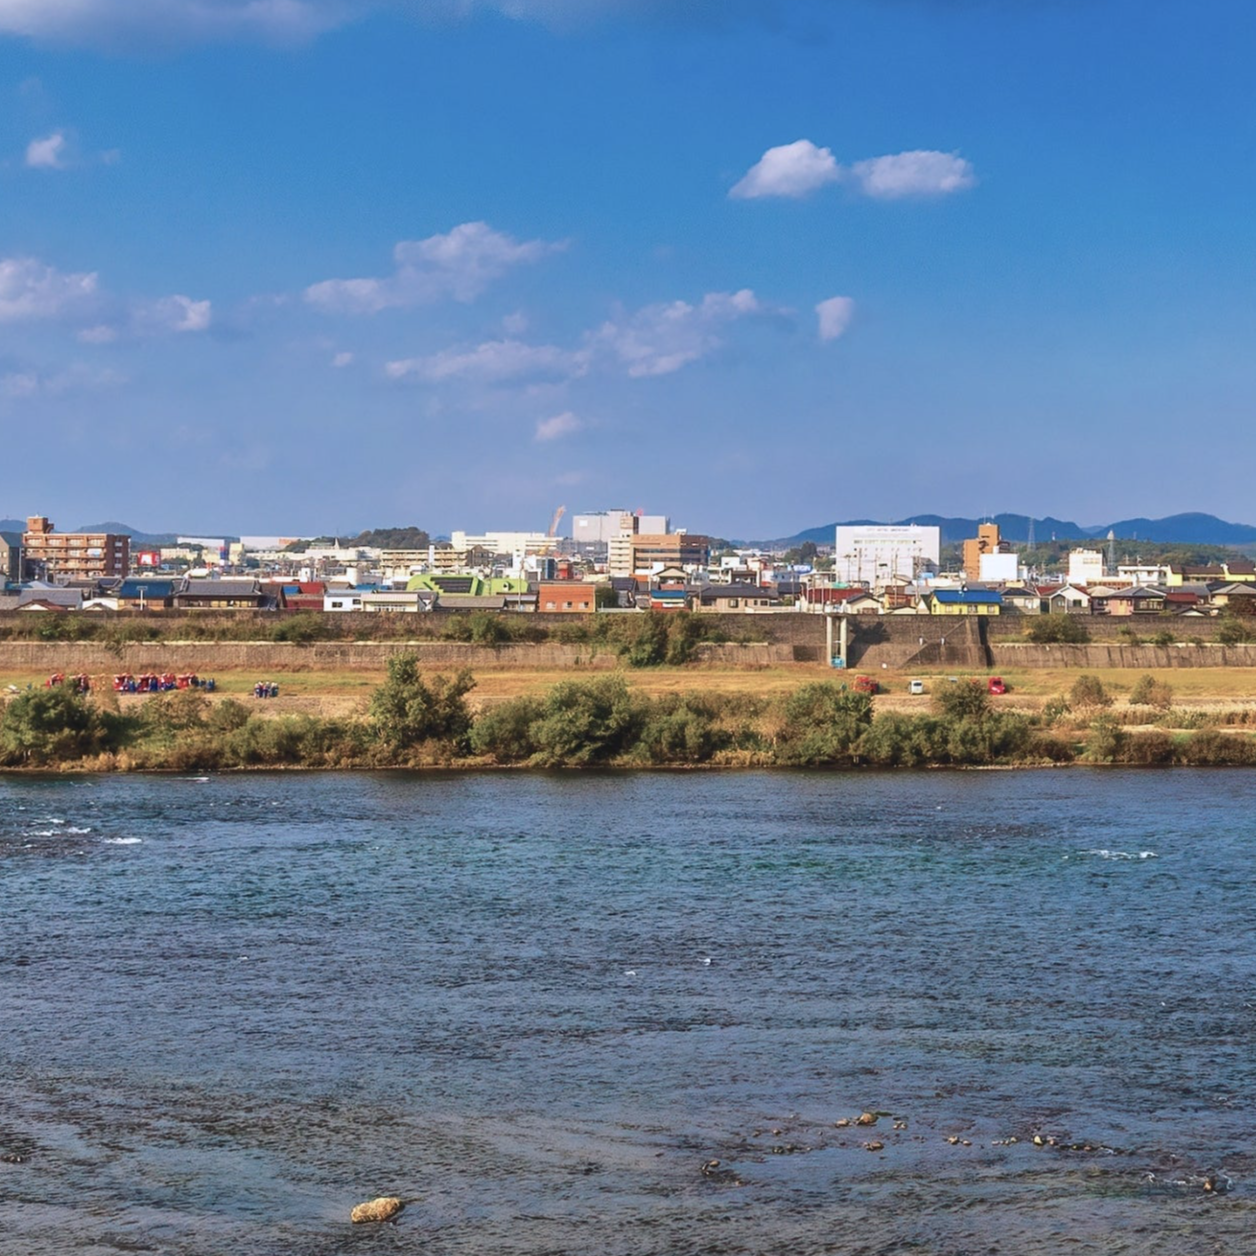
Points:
x=334 y=266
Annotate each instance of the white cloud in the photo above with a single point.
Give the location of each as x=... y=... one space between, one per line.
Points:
x=47 y=153
x=341 y=360
x=565 y=424
x=178 y=313
x=493 y=362
x=121 y=23
x=99 y=334
x=918 y=173
x=17 y=385
x=788 y=170
x=834 y=317
x=660 y=339
x=30 y=290
x=458 y=265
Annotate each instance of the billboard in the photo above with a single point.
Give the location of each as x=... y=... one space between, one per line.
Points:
x=148 y=558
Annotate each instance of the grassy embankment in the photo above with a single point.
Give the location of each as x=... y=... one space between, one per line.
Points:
x=416 y=721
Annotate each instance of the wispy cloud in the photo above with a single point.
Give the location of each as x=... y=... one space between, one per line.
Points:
x=795 y=170
x=495 y=361
x=660 y=339
x=922 y=172
x=124 y=23
x=17 y=385
x=47 y=153
x=457 y=265
x=834 y=317
x=791 y=170
x=565 y=424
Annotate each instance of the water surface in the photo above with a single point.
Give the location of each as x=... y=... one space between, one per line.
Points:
x=536 y=1005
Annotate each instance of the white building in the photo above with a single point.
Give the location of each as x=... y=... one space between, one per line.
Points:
x=884 y=553
x=998 y=568
x=1085 y=566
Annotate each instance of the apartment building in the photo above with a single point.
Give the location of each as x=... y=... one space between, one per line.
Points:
x=49 y=553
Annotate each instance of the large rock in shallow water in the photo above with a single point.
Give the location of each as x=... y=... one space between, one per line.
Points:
x=382 y=1209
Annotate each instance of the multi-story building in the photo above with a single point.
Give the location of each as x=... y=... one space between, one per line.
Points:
x=49 y=553
x=976 y=547
x=653 y=551
x=877 y=554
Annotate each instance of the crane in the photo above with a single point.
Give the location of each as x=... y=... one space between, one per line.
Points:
x=558 y=514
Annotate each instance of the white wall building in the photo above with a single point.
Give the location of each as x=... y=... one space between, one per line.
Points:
x=884 y=553
x=1085 y=566
x=998 y=568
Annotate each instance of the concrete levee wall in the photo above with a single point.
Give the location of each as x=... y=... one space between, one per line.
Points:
x=208 y=657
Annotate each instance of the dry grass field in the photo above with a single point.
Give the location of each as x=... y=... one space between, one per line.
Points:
x=345 y=693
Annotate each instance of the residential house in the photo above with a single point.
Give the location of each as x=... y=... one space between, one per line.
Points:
x=736 y=598
x=965 y=602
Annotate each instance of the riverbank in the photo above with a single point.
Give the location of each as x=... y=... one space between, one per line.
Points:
x=415 y=720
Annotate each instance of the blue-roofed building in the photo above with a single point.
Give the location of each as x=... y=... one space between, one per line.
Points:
x=147 y=594
x=965 y=602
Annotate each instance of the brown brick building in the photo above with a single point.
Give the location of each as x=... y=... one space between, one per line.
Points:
x=48 y=553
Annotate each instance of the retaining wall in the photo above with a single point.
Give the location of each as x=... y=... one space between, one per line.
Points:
x=265 y=658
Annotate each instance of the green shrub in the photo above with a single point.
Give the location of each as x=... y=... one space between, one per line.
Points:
x=50 y=725
x=1148 y=748
x=504 y=732
x=1062 y=629
x=1106 y=740
x=1210 y=748
x=406 y=709
x=822 y=724
x=681 y=728
x=966 y=700
x=586 y=722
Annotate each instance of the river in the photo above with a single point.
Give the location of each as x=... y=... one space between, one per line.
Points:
x=537 y=1005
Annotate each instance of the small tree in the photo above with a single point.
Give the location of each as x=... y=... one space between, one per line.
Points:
x=823 y=722
x=48 y=725
x=1148 y=691
x=1088 y=691
x=967 y=700
x=406 y=709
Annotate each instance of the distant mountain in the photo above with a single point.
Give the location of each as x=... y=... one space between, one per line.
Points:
x=1188 y=529
x=157 y=539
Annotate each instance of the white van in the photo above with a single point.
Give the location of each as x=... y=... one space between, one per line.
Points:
x=915 y=686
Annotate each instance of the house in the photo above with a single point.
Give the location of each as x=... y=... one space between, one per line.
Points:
x=396 y=601
x=736 y=598
x=566 y=597
x=146 y=595
x=1140 y=600
x=223 y=595
x=39 y=596
x=965 y=602
x=1070 y=599
x=1025 y=601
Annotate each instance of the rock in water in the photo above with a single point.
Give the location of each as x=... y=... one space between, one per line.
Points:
x=385 y=1208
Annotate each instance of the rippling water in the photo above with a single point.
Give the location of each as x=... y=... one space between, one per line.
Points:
x=536 y=1006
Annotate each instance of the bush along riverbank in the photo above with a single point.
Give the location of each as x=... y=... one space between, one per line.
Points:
x=415 y=721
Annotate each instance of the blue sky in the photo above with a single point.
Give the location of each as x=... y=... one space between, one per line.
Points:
x=316 y=265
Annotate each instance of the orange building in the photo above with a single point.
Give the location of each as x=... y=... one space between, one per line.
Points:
x=573 y=597
x=985 y=542
x=83 y=554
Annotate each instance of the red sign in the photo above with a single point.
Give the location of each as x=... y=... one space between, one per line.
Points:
x=148 y=558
